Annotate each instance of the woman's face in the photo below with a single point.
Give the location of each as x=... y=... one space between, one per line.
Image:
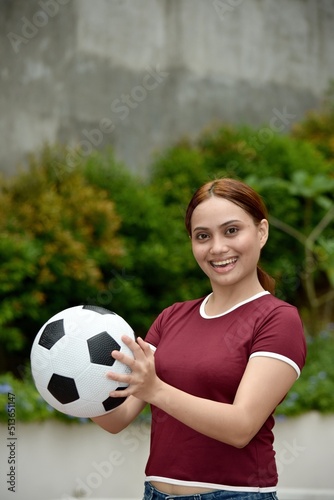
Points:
x=226 y=242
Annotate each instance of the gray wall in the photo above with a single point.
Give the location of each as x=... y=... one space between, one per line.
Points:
x=140 y=74
x=56 y=461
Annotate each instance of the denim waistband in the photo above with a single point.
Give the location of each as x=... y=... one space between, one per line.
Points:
x=152 y=493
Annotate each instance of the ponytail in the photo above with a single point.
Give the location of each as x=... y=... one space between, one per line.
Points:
x=267 y=282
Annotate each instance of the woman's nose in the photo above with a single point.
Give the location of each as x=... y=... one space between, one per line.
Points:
x=218 y=246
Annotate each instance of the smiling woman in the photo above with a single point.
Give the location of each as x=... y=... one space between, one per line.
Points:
x=227 y=240
x=239 y=195
x=214 y=369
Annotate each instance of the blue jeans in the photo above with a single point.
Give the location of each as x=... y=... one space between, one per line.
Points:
x=152 y=493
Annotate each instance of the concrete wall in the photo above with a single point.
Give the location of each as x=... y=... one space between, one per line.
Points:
x=138 y=75
x=55 y=461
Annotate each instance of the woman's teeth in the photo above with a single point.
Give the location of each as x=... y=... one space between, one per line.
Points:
x=223 y=263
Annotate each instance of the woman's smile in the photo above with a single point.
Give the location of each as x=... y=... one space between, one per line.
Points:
x=224 y=265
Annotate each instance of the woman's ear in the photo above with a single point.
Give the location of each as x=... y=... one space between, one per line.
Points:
x=263 y=228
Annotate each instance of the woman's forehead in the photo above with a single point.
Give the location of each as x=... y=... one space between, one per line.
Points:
x=217 y=209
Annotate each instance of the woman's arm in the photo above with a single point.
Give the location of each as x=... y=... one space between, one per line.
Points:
x=264 y=384
x=116 y=420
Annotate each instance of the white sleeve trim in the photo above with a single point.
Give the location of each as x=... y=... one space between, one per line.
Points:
x=277 y=356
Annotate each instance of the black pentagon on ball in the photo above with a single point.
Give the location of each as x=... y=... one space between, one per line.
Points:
x=98 y=309
x=53 y=332
x=63 y=389
x=111 y=403
x=100 y=347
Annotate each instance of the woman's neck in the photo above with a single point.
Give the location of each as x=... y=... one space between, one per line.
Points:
x=222 y=300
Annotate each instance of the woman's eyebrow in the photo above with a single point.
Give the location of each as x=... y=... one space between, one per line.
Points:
x=202 y=228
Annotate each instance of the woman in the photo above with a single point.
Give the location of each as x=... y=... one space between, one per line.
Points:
x=214 y=369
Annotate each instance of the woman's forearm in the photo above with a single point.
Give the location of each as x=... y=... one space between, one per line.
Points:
x=118 y=419
x=220 y=421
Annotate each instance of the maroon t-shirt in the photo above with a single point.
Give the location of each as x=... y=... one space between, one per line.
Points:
x=207 y=356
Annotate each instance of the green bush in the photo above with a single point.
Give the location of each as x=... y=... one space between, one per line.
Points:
x=314 y=390
x=317 y=127
x=56 y=240
x=29 y=405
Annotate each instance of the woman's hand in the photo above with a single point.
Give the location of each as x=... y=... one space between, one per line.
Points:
x=143 y=380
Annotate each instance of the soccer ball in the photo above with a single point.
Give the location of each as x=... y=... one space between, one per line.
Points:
x=71 y=355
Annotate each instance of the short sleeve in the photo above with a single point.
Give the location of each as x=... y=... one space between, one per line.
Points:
x=281 y=336
x=154 y=333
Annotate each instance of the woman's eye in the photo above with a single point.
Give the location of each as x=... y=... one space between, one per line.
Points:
x=232 y=230
x=201 y=236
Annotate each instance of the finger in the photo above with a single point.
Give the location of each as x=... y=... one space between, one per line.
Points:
x=134 y=346
x=146 y=348
x=123 y=378
x=124 y=393
x=130 y=342
x=123 y=358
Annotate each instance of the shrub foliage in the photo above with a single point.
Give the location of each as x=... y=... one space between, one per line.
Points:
x=57 y=237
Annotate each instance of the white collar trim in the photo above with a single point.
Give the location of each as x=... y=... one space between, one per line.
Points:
x=205 y=301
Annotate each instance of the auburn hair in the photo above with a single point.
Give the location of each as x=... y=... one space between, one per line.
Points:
x=242 y=195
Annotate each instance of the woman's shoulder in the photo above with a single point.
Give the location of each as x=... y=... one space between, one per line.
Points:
x=272 y=307
x=274 y=302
